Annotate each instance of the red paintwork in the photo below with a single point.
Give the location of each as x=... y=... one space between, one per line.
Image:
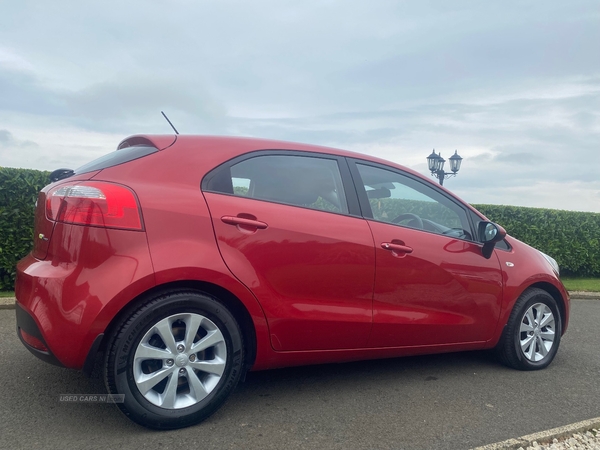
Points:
x=530 y=268
x=443 y=292
x=313 y=275
x=68 y=294
x=318 y=287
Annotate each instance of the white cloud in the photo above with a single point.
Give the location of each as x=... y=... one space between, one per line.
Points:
x=514 y=87
x=12 y=61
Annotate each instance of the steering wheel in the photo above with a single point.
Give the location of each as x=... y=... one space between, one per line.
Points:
x=412 y=217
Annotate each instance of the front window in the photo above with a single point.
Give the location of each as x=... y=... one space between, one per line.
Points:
x=398 y=199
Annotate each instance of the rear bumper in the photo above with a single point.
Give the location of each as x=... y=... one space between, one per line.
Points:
x=27 y=328
x=31 y=337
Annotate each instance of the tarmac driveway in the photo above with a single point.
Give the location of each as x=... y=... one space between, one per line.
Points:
x=452 y=401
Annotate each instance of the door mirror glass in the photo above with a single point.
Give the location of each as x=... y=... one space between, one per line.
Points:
x=489 y=234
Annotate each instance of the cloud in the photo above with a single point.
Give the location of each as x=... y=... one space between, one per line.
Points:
x=514 y=87
x=21 y=92
x=12 y=150
x=117 y=105
x=12 y=61
x=7 y=140
x=519 y=158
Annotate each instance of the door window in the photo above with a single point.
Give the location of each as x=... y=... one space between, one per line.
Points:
x=304 y=181
x=399 y=199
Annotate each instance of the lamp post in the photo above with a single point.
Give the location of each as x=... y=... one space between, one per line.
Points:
x=436 y=165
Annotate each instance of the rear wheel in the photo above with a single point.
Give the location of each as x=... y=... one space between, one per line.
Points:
x=532 y=335
x=175 y=360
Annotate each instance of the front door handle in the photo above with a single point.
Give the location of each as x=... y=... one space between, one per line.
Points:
x=398 y=248
x=244 y=222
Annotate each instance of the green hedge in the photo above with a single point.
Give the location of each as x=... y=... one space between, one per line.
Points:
x=18 y=193
x=572 y=238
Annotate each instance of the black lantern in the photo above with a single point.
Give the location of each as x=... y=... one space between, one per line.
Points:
x=455 y=161
x=436 y=165
x=435 y=162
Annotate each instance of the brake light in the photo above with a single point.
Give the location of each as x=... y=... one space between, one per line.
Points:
x=94 y=203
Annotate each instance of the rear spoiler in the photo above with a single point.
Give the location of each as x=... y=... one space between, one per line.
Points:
x=160 y=142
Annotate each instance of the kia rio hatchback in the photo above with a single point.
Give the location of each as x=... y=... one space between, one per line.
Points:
x=182 y=262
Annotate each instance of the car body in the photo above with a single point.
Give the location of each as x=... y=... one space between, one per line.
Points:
x=178 y=257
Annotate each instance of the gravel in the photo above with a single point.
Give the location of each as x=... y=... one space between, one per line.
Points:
x=589 y=440
x=583 y=435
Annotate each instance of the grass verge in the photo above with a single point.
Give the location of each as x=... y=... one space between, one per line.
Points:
x=581 y=284
x=4 y=294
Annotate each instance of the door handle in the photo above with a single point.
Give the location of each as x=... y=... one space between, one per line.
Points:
x=244 y=222
x=399 y=248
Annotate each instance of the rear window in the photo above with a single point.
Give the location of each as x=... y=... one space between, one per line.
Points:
x=117 y=157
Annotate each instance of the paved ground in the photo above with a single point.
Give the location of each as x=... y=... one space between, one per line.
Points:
x=454 y=401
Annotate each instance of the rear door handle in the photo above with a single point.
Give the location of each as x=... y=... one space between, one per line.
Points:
x=244 y=222
x=399 y=248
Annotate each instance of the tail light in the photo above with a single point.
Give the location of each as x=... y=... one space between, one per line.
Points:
x=93 y=203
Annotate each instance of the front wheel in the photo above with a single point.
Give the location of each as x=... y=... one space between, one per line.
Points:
x=532 y=335
x=175 y=360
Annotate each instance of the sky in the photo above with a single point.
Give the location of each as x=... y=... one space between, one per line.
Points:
x=513 y=86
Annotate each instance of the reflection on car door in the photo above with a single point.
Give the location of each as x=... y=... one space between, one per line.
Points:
x=432 y=285
x=310 y=265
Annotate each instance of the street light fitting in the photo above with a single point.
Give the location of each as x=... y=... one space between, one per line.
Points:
x=435 y=162
x=455 y=161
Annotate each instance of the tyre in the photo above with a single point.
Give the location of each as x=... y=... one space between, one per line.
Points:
x=175 y=360
x=532 y=335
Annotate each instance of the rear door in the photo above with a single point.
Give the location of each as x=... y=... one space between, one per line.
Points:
x=289 y=230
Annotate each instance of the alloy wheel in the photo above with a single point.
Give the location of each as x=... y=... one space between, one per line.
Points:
x=179 y=360
x=537 y=332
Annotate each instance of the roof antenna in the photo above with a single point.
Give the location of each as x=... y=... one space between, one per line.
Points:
x=165 y=116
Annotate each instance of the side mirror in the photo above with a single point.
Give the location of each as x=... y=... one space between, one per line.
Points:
x=489 y=234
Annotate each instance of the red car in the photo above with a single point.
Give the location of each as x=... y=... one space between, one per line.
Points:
x=185 y=261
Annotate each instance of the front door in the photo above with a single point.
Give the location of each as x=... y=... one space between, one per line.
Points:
x=432 y=284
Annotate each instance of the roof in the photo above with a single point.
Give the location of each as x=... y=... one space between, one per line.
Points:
x=235 y=145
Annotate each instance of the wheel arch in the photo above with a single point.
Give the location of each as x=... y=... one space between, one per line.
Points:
x=512 y=295
x=511 y=349
x=233 y=303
